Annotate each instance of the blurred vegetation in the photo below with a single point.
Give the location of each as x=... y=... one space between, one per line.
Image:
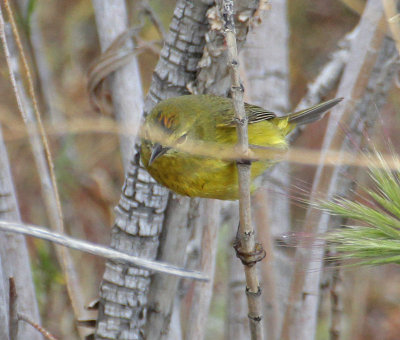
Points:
x=90 y=179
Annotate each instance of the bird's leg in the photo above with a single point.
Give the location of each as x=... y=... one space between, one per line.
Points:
x=248 y=258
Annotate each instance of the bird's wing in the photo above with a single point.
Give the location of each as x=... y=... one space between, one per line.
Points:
x=257 y=114
x=254 y=113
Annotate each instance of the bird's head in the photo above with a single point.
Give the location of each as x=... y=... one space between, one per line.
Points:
x=164 y=128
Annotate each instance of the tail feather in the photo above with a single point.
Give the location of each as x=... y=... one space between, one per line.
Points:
x=313 y=113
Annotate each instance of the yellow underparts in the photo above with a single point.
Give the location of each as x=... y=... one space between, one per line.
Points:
x=199 y=176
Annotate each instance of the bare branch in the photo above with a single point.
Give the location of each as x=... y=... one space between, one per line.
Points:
x=246 y=244
x=114 y=255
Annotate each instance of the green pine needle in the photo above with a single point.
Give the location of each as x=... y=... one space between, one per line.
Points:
x=378 y=241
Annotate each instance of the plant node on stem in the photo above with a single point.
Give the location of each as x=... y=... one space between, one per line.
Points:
x=246 y=247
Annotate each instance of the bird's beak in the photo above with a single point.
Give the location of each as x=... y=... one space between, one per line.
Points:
x=157 y=151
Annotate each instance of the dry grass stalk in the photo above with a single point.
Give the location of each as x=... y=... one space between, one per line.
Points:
x=246 y=235
x=46 y=334
x=42 y=156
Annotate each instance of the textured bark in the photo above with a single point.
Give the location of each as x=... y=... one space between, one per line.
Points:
x=266 y=64
x=213 y=76
x=14 y=257
x=245 y=9
x=140 y=213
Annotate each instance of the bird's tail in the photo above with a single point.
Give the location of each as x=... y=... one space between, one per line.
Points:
x=311 y=114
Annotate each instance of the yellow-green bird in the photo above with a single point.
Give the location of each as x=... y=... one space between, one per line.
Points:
x=207 y=118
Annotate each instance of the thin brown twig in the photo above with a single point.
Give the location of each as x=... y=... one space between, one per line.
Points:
x=46 y=334
x=246 y=244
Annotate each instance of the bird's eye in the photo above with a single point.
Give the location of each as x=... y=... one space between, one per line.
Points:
x=182 y=139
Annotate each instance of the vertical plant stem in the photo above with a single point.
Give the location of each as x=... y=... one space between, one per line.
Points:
x=202 y=294
x=4 y=310
x=13 y=308
x=269 y=276
x=164 y=287
x=111 y=22
x=335 y=330
x=266 y=53
x=246 y=232
x=237 y=324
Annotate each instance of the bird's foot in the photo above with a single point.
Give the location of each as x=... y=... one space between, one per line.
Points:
x=249 y=258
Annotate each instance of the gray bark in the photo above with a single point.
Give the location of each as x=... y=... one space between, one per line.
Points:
x=140 y=213
x=163 y=287
x=205 y=77
x=4 y=309
x=202 y=293
x=14 y=255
